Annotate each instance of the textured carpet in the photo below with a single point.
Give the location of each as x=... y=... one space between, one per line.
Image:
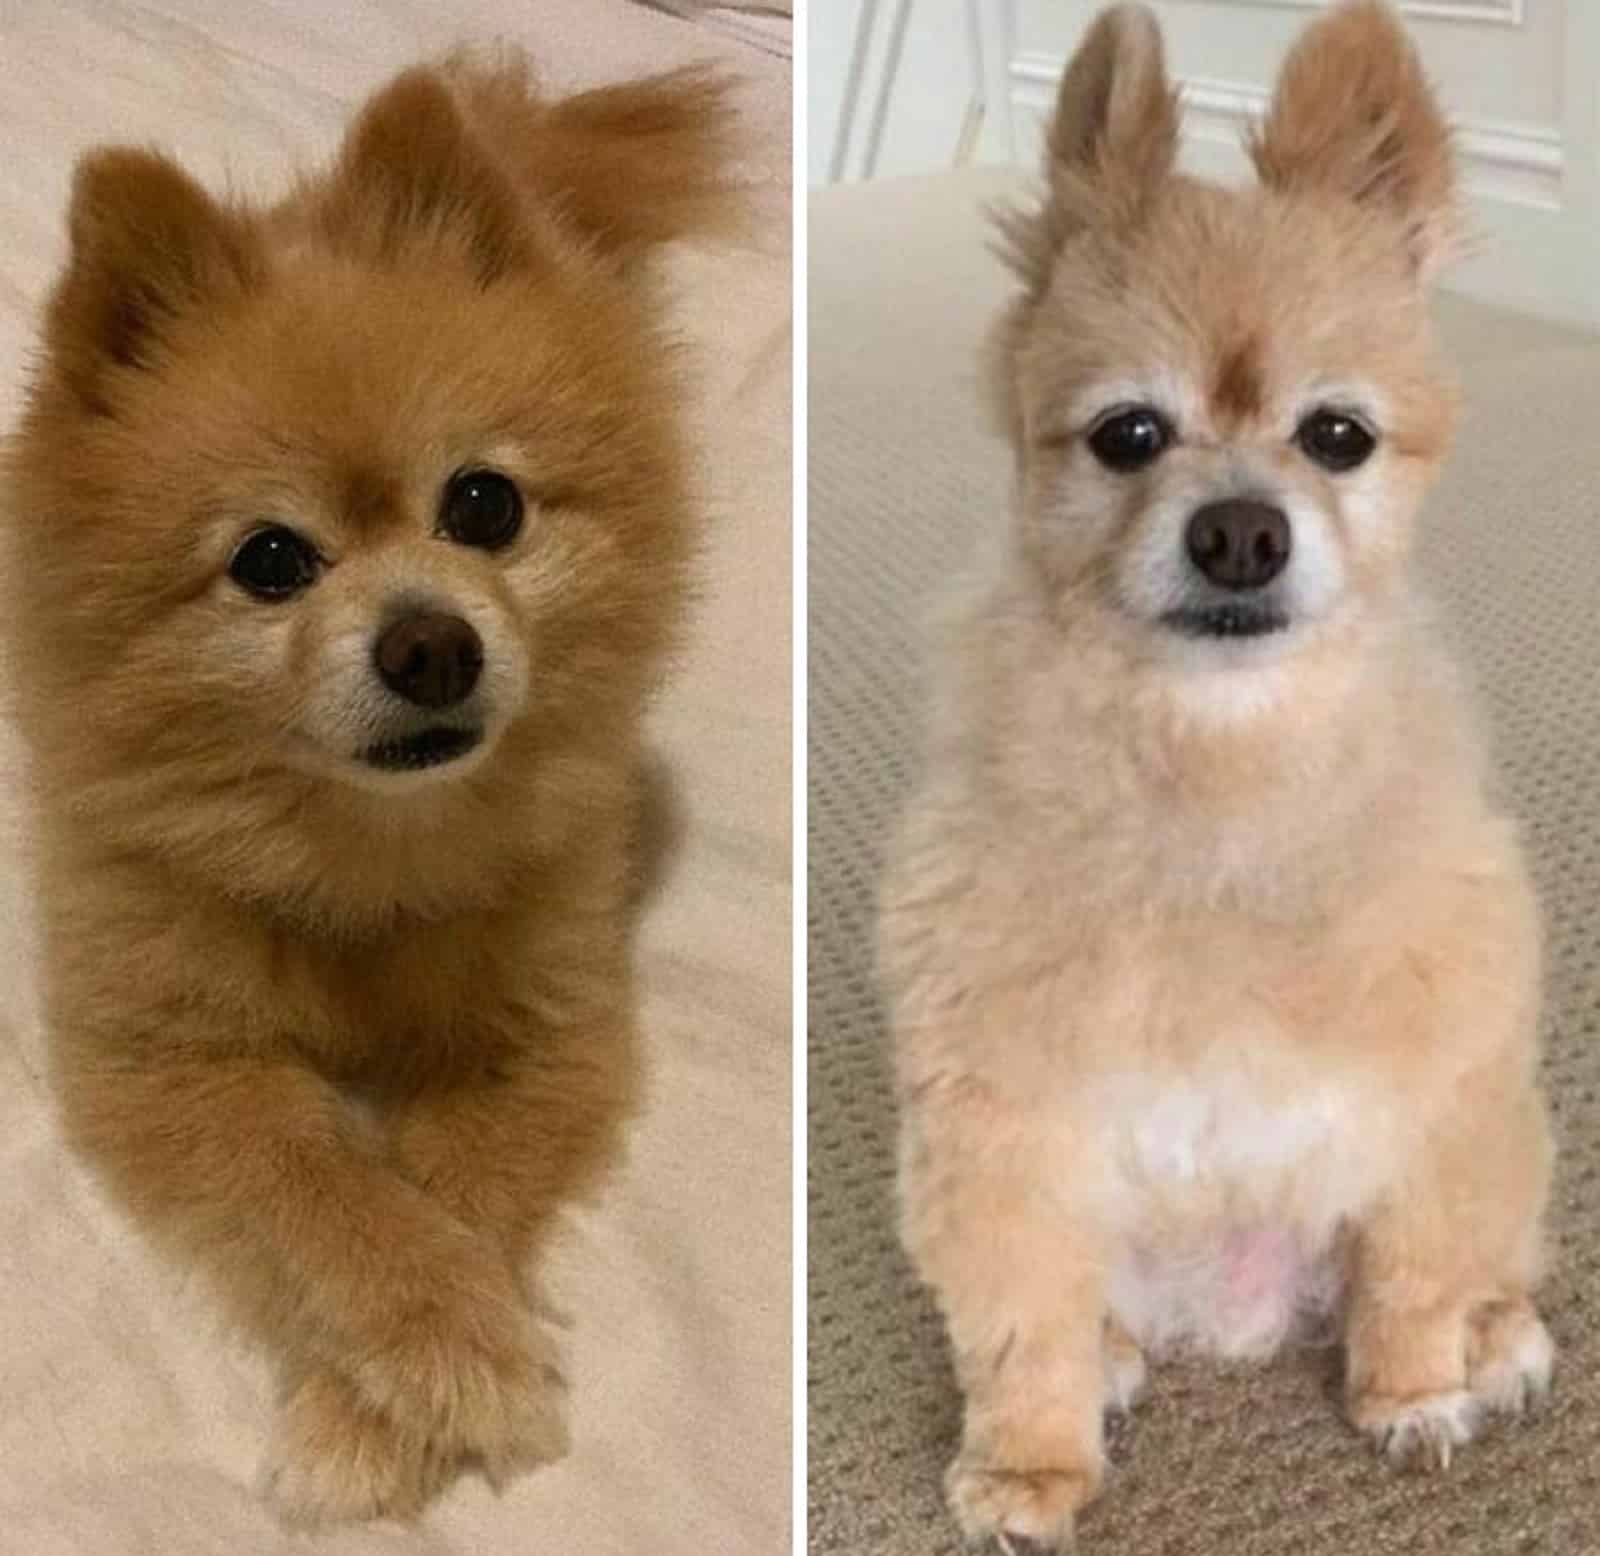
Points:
x=903 y=475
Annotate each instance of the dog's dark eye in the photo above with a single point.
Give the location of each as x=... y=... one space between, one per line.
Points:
x=1336 y=440
x=274 y=563
x=1131 y=439
x=481 y=508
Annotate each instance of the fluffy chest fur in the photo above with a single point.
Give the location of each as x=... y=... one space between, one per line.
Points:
x=1226 y=972
x=1224 y=1193
x=1216 y=1131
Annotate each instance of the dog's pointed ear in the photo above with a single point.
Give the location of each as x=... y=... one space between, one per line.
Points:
x=148 y=245
x=1353 y=116
x=627 y=166
x=1116 y=114
x=410 y=168
x=1112 y=140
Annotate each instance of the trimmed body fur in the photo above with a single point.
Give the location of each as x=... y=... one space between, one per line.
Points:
x=1213 y=972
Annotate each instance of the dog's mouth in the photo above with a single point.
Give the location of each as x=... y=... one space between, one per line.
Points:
x=432 y=748
x=1236 y=620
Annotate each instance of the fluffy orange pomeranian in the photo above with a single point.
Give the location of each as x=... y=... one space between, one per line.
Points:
x=348 y=538
x=1214 y=973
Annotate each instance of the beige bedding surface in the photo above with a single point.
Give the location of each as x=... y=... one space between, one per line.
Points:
x=130 y=1425
x=903 y=477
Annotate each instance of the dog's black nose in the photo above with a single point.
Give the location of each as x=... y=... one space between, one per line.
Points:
x=1240 y=543
x=430 y=659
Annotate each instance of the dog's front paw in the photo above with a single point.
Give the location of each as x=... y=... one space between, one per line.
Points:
x=524 y=1425
x=476 y=1379
x=1418 y=1432
x=1507 y=1364
x=336 y=1458
x=1018 y=1507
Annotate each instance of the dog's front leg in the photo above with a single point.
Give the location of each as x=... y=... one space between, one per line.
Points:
x=505 y=1146
x=1441 y=1330
x=1019 y=1275
x=504 y=1149
x=401 y=1338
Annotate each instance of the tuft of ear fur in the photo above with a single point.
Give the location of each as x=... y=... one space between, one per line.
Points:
x=1353 y=116
x=1112 y=142
x=629 y=166
x=411 y=168
x=148 y=245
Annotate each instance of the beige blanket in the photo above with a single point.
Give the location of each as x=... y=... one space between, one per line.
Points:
x=128 y=1424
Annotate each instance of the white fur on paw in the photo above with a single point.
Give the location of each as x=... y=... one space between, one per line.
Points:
x=1038 y=1506
x=1126 y=1375
x=1510 y=1384
x=1423 y=1433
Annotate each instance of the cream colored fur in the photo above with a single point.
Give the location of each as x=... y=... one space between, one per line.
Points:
x=1213 y=971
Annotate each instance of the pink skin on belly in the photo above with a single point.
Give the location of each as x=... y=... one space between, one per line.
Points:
x=1241 y=1293
x=1262 y=1271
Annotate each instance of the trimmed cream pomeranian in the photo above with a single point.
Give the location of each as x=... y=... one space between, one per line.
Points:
x=1214 y=972
x=348 y=538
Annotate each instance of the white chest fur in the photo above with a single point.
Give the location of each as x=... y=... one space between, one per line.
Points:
x=1224 y=1193
x=1219 y=1130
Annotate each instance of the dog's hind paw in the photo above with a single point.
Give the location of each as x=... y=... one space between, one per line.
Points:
x=1510 y=1358
x=1126 y=1372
